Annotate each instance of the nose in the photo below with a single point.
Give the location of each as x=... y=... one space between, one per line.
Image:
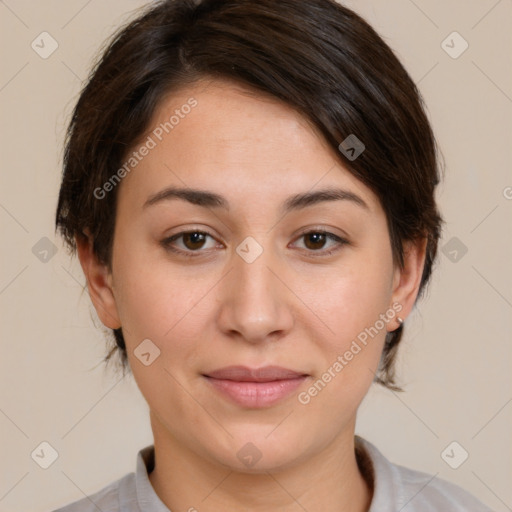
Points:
x=254 y=302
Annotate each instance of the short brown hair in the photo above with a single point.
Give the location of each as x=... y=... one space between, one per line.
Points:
x=316 y=56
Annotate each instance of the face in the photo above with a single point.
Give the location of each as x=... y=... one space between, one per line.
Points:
x=264 y=310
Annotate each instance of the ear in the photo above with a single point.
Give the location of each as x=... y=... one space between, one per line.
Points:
x=99 y=282
x=407 y=280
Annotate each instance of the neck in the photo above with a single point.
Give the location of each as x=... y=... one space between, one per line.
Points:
x=329 y=481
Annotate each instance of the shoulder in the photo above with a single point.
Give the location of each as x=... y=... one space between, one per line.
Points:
x=132 y=493
x=106 y=499
x=411 y=490
x=432 y=493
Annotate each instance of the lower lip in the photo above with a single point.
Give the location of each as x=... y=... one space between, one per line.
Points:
x=256 y=395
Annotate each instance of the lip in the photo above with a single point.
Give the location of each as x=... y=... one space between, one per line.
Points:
x=255 y=387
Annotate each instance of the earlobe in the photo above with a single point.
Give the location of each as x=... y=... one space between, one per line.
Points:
x=406 y=281
x=99 y=282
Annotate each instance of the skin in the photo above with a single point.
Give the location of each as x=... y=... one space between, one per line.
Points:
x=289 y=307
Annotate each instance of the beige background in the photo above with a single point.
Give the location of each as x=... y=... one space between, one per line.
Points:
x=455 y=361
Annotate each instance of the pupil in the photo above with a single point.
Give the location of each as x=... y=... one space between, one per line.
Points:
x=318 y=238
x=196 y=238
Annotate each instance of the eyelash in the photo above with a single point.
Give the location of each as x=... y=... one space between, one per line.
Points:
x=167 y=243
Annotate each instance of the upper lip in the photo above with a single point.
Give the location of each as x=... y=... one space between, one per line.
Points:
x=245 y=374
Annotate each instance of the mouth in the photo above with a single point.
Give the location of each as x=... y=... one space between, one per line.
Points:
x=255 y=388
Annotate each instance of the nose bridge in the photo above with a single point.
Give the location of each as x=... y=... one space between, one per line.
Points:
x=253 y=298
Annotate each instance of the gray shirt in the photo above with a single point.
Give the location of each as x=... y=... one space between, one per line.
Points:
x=395 y=488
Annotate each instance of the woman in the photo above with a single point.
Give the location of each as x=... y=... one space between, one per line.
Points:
x=250 y=187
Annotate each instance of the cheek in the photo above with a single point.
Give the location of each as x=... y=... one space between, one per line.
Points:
x=163 y=305
x=166 y=304
x=156 y=304
x=352 y=304
x=353 y=298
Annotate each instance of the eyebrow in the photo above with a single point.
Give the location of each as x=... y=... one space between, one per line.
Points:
x=209 y=199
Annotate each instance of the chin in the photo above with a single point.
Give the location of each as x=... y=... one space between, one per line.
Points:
x=259 y=450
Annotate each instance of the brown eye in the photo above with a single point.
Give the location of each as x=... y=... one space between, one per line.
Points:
x=187 y=243
x=315 y=241
x=194 y=240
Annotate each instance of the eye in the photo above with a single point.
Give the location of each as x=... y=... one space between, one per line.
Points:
x=315 y=241
x=190 y=241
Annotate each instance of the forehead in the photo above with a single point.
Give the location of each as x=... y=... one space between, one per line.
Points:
x=230 y=116
x=223 y=136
